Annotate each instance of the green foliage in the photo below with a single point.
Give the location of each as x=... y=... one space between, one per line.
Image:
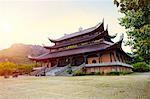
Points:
x=137 y=21
x=69 y=71
x=118 y=73
x=97 y=73
x=113 y=73
x=78 y=73
x=141 y=67
x=7 y=68
x=25 y=68
x=91 y=73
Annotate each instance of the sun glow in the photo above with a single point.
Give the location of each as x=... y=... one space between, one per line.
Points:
x=7 y=28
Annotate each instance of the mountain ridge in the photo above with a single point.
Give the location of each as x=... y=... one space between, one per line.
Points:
x=18 y=53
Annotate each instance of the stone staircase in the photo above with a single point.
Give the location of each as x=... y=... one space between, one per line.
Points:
x=73 y=68
x=40 y=72
x=56 y=71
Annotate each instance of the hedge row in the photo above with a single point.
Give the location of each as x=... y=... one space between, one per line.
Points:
x=80 y=73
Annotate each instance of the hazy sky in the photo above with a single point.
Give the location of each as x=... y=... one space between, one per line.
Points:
x=33 y=21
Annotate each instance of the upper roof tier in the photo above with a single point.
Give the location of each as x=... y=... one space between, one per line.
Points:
x=99 y=27
x=79 y=40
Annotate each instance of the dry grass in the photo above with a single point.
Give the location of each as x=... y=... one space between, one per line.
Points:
x=83 y=87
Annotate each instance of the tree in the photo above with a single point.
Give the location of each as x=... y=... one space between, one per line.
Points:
x=7 y=68
x=25 y=68
x=137 y=22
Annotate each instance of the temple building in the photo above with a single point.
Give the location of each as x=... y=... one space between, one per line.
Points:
x=90 y=50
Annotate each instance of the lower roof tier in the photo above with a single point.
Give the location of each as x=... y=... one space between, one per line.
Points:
x=80 y=50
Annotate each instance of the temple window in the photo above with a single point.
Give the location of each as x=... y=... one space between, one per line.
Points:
x=93 y=61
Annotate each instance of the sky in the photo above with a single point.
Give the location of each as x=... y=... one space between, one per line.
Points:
x=33 y=21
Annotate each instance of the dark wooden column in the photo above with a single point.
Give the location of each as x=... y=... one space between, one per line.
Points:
x=70 y=60
x=85 y=58
x=48 y=63
x=57 y=61
x=99 y=55
x=114 y=56
x=41 y=64
x=110 y=56
x=36 y=63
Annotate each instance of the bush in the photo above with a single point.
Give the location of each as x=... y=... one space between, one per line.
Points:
x=69 y=71
x=118 y=73
x=91 y=73
x=141 y=67
x=113 y=73
x=97 y=73
x=25 y=68
x=78 y=73
x=124 y=73
x=7 y=68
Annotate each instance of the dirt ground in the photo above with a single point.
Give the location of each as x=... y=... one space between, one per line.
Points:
x=134 y=86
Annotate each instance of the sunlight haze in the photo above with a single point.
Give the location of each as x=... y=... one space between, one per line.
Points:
x=33 y=21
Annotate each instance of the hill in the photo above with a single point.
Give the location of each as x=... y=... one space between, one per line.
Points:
x=18 y=53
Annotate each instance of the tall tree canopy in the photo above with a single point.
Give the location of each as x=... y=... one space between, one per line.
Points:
x=136 y=20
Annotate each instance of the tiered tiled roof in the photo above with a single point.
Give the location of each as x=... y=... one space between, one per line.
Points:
x=98 y=27
x=76 y=41
x=99 y=46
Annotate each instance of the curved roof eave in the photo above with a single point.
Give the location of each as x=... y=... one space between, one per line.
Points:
x=88 y=30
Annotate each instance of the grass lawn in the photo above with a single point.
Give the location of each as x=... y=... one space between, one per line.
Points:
x=134 y=86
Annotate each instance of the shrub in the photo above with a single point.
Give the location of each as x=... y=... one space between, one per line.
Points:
x=113 y=73
x=7 y=68
x=118 y=73
x=97 y=73
x=69 y=71
x=25 y=68
x=124 y=73
x=141 y=67
x=78 y=73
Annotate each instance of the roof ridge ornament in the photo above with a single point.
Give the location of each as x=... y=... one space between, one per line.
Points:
x=80 y=29
x=65 y=34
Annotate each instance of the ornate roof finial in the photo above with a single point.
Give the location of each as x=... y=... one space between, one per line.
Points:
x=65 y=34
x=80 y=29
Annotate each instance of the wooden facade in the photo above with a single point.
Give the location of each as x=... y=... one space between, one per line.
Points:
x=92 y=47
